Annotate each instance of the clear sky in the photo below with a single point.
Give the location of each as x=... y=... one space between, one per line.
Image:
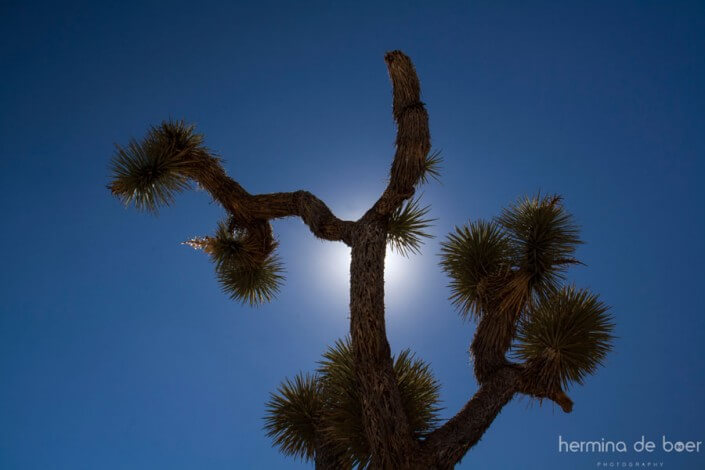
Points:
x=117 y=348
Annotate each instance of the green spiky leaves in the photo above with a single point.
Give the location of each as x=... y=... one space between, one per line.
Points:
x=229 y=247
x=407 y=227
x=544 y=238
x=565 y=338
x=328 y=408
x=252 y=283
x=292 y=414
x=533 y=241
x=149 y=173
x=419 y=392
x=241 y=271
x=343 y=414
x=343 y=406
x=508 y=274
x=472 y=256
x=431 y=168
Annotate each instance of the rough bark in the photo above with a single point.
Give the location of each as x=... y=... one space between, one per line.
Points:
x=253 y=212
x=489 y=346
x=508 y=294
x=312 y=211
x=387 y=429
x=447 y=445
x=413 y=140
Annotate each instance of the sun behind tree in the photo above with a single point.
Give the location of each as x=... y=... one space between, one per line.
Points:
x=363 y=407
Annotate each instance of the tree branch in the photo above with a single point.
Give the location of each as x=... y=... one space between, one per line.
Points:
x=413 y=140
x=447 y=445
x=256 y=210
x=508 y=295
x=499 y=378
x=314 y=213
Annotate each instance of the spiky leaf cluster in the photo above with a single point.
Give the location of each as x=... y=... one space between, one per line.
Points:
x=431 y=168
x=502 y=264
x=239 y=267
x=292 y=413
x=333 y=406
x=343 y=411
x=229 y=247
x=473 y=257
x=565 y=338
x=407 y=227
x=544 y=239
x=252 y=283
x=419 y=392
x=149 y=173
x=343 y=406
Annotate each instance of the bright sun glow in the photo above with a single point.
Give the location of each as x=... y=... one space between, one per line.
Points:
x=400 y=274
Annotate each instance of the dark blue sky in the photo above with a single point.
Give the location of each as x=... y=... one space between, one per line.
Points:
x=117 y=349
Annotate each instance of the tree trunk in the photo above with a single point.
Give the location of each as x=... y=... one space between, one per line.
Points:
x=392 y=445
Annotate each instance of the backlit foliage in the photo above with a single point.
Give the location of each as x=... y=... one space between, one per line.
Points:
x=327 y=406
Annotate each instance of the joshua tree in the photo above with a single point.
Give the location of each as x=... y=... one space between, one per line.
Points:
x=534 y=336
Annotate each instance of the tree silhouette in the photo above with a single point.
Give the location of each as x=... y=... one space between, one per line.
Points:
x=363 y=407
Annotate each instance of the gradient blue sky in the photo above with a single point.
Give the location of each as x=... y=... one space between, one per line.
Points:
x=117 y=348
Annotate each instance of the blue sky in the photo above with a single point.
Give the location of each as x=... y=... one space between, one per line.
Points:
x=117 y=348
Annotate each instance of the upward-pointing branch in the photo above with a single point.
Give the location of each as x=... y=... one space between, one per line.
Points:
x=413 y=140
